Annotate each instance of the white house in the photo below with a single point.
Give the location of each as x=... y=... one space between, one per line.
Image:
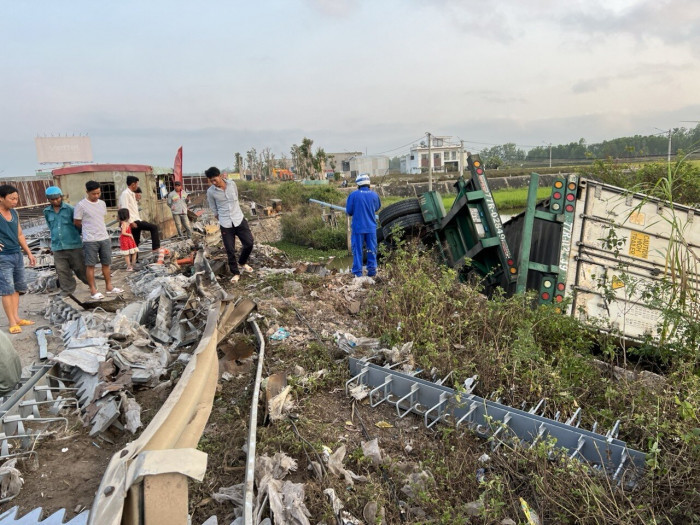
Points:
x=446 y=155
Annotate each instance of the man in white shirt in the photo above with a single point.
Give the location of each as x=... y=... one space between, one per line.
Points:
x=89 y=217
x=222 y=197
x=128 y=200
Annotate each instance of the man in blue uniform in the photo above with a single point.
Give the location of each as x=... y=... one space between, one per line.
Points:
x=362 y=206
x=66 y=244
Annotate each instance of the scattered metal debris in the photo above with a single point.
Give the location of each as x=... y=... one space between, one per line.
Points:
x=10 y=517
x=22 y=416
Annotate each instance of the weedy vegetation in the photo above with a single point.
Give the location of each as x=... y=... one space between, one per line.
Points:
x=523 y=354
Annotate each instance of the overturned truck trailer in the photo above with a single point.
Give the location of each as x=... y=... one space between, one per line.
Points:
x=613 y=257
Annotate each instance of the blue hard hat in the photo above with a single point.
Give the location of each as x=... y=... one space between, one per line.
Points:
x=53 y=191
x=362 y=179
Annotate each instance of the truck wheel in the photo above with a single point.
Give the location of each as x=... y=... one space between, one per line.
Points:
x=410 y=225
x=380 y=235
x=398 y=209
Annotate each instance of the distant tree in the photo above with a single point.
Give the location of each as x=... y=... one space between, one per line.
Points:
x=505 y=154
x=319 y=162
x=267 y=161
x=239 y=163
x=294 y=151
x=303 y=158
x=493 y=162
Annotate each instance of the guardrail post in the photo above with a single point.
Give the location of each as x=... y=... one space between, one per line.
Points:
x=165 y=499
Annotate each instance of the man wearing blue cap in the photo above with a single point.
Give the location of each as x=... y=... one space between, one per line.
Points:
x=66 y=244
x=362 y=205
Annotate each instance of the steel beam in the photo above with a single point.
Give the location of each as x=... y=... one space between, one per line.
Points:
x=490 y=419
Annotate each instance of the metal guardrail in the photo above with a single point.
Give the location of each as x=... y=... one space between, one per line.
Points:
x=146 y=481
x=493 y=420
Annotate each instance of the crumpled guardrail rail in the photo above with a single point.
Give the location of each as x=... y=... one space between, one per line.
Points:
x=146 y=482
x=155 y=464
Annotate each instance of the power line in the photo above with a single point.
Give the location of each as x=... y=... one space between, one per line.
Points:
x=404 y=146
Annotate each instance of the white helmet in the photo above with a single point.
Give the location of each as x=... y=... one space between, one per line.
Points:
x=362 y=179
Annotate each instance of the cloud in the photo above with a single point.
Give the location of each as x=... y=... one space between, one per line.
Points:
x=671 y=21
x=642 y=74
x=334 y=8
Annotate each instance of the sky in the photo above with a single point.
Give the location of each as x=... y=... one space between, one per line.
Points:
x=142 y=78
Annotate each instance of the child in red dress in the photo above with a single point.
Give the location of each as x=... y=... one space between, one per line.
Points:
x=126 y=239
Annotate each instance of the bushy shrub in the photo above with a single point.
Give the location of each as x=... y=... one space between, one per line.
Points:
x=294 y=194
x=610 y=171
x=326 y=194
x=260 y=192
x=305 y=227
x=680 y=181
x=291 y=194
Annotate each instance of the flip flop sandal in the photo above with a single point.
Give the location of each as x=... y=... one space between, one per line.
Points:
x=115 y=291
x=97 y=296
x=15 y=329
x=25 y=322
x=235 y=279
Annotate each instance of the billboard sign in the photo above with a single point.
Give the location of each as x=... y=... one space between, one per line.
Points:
x=63 y=149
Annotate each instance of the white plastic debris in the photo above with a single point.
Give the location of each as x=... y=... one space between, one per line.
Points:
x=11 y=480
x=280 y=404
x=287 y=503
x=335 y=466
x=132 y=413
x=344 y=517
x=371 y=450
x=286 y=499
x=359 y=392
x=234 y=493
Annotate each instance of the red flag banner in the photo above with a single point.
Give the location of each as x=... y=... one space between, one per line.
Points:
x=177 y=171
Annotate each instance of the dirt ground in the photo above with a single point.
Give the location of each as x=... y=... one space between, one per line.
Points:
x=323 y=415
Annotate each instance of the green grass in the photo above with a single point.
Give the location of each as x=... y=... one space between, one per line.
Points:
x=510 y=199
x=303 y=253
x=517 y=197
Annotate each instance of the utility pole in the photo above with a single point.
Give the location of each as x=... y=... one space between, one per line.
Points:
x=669 y=141
x=461 y=158
x=430 y=163
x=550 y=151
